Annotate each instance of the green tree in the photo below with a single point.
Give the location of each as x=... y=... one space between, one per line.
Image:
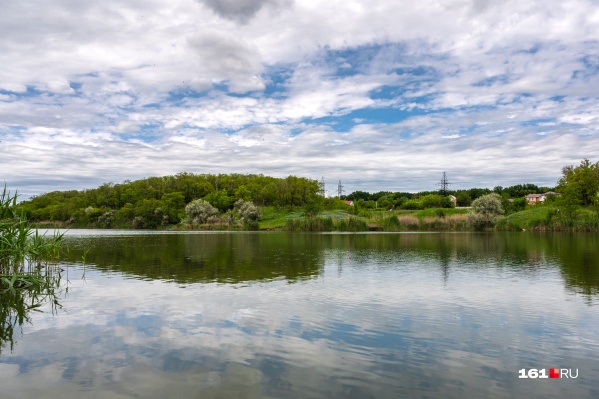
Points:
x=313 y=206
x=331 y=203
x=357 y=195
x=242 y=192
x=386 y=201
x=219 y=199
x=150 y=211
x=369 y=204
x=126 y=214
x=579 y=185
x=519 y=204
x=463 y=199
x=475 y=193
x=412 y=204
x=173 y=205
x=435 y=201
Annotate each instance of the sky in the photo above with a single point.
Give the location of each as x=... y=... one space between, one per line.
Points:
x=380 y=94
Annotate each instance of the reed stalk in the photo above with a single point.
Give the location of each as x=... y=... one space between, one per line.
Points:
x=23 y=251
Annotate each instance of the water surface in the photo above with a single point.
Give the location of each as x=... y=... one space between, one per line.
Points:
x=278 y=315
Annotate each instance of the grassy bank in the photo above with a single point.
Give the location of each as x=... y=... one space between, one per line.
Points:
x=336 y=220
x=552 y=218
x=534 y=218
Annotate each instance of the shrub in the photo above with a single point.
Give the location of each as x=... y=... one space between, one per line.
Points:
x=138 y=222
x=200 y=211
x=248 y=212
x=411 y=204
x=485 y=211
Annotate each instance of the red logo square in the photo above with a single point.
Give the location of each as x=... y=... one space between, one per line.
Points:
x=553 y=373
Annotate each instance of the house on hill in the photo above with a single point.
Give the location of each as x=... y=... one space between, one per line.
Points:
x=535 y=198
x=453 y=200
x=539 y=198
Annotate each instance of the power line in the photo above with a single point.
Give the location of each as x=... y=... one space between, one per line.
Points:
x=444 y=184
x=321 y=187
x=340 y=189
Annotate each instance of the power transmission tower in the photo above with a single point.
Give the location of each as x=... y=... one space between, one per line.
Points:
x=444 y=185
x=340 y=189
x=321 y=187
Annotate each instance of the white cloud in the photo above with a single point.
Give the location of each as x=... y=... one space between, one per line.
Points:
x=58 y=86
x=13 y=87
x=401 y=88
x=225 y=57
x=243 y=10
x=126 y=127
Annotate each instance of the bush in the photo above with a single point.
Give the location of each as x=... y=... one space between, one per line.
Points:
x=519 y=204
x=248 y=212
x=138 y=222
x=431 y=201
x=200 y=211
x=485 y=211
x=411 y=205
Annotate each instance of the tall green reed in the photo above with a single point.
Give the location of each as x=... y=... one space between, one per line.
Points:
x=23 y=251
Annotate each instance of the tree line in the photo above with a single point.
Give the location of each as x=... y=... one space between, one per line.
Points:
x=512 y=197
x=151 y=202
x=236 y=198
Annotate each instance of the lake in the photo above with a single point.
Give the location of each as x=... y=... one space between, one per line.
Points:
x=281 y=315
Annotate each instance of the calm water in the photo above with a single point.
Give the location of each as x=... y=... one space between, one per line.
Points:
x=276 y=315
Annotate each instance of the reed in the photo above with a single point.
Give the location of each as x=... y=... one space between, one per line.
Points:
x=23 y=251
x=320 y=223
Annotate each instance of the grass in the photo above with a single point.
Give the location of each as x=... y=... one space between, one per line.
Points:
x=440 y=212
x=380 y=220
x=273 y=219
x=525 y=219
x=538 y=218
x=411 y=222
x=329 y=220
x=552 y=218
x=326 y=223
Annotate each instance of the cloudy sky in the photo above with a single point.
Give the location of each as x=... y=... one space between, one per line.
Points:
x=382 y=94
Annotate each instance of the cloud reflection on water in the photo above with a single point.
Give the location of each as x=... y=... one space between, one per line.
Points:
x=372 y=323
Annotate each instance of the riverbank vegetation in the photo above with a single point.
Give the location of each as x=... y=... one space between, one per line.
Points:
x=257 y=202
x=575 y=209
x=26 y=256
